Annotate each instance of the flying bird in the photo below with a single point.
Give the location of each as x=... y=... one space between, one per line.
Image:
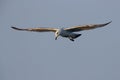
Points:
x=64 y=32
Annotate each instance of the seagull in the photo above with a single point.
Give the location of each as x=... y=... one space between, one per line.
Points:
x=69 y=33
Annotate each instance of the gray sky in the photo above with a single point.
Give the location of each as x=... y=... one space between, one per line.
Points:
x=37 y=56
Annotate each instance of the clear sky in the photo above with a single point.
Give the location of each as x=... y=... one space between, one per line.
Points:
x=37 y=56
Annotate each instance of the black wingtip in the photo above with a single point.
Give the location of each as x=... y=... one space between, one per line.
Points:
x=15 y=28
x=109 y=22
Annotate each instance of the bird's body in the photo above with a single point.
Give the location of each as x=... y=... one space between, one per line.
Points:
x=65 y=32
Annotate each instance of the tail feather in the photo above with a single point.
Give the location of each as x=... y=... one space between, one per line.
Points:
x=77 y=35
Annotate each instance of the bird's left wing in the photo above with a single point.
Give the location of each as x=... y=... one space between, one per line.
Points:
x=86 y=27
x=36 y=29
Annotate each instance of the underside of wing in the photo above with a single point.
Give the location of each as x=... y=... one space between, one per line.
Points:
x=86 y=27
x=36 y=29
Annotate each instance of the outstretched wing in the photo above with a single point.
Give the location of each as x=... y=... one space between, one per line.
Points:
x=86 y=27
x=36 y=29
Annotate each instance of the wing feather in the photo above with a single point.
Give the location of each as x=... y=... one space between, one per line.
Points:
x=86 y=27
x=36 y=29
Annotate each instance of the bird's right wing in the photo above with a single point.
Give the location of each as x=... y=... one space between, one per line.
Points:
x=36 y=29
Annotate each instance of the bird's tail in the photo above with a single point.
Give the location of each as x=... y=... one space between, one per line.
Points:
x=77 y=35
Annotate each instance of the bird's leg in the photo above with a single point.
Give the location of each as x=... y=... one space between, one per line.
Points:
x=71 y=38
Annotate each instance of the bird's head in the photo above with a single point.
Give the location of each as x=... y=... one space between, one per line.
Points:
x=58 y=33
